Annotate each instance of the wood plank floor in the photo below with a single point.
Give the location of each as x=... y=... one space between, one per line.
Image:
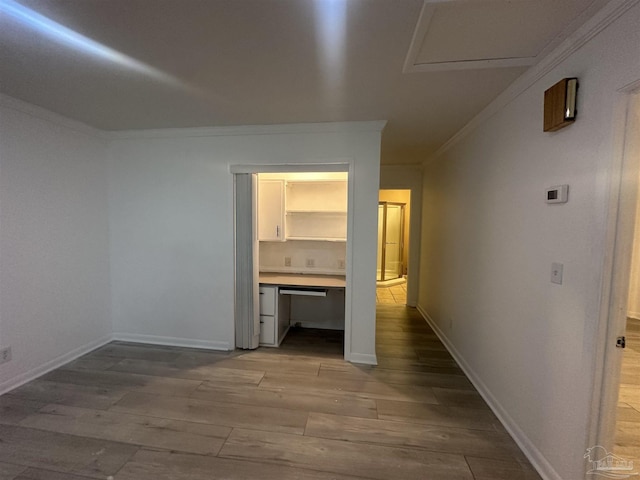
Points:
x=136 y=412
x=627 y=441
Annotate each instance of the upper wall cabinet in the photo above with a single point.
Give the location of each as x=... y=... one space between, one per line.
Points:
x=316 y=210
x=271 y=210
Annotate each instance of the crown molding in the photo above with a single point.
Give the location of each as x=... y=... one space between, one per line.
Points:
x=279 y=129
x=601 y=20
x=33 y=110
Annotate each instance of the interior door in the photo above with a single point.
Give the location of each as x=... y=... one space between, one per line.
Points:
x=247 y=303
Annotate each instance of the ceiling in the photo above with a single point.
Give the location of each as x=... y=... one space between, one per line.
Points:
x=426 y=67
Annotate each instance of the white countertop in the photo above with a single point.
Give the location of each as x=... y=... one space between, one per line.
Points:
x=303 y=280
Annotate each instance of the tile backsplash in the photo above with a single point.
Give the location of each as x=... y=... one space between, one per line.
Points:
x=306 y=256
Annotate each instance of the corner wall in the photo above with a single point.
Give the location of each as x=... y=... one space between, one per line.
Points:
x=54 y=270
x=489 y=239
x=171 y=219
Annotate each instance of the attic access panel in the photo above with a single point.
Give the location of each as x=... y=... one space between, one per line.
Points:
x=461 y=34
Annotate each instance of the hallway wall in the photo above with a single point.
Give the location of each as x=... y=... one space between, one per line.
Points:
x=489 y=239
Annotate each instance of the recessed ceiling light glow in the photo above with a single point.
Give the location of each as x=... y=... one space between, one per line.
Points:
x=65 y=36
x=331 y=28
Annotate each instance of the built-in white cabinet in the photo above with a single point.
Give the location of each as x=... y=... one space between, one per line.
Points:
x=316 y=210
x=274 y=316
x=271 y=204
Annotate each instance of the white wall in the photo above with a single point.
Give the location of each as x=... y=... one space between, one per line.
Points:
x=489 y=240
x=171 y=225
x=54 y=270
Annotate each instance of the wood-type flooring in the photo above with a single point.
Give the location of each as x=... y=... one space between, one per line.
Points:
x=628 y=418
x=139 y=412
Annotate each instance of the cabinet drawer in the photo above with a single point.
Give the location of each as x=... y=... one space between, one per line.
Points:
x=268 y=300
x=267 y=330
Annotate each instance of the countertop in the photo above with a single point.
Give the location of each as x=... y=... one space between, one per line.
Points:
x=303 y=280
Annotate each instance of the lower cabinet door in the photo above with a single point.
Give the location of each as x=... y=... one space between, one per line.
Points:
x=267 y=330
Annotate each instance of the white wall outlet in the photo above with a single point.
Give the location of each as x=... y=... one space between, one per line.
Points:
x=287 y=261
x=556 y=273
x=5 y=355
x=311 y=262
x=341 y=264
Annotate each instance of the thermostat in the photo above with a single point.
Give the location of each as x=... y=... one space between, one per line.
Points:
x=558 y=194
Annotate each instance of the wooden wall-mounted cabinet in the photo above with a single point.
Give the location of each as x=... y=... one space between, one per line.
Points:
x=560 y=104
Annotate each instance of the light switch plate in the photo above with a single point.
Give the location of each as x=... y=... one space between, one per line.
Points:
x=556 y=273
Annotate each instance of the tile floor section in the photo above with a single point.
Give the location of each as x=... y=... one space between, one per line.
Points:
x=138 y=412
x=628 y=421
x=395 y=295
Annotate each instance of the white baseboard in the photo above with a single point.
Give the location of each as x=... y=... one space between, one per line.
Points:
x=172 y=341
x=364 y=358
x=537 y=459
x=36 y=372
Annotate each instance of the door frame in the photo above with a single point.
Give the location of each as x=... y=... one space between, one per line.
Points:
x=337 y=166
x=623 y=191
x=383 y=248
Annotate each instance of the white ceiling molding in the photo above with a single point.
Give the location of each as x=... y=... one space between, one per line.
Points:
x=281 y=129
x=607 y=15
x=44 y=114
x=331 y=165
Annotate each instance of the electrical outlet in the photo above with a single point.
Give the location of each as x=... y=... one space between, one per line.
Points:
x=287 y=261
x=556 y=273
x=341 y=264
x=311 y=262
x=5 y=355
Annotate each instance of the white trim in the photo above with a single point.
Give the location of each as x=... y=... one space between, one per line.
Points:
x=331 y=165
x=634 y=315
x=363 y=358
x=537 y=459
x=303 y=271
x=340 y=165
x=611 y=12
x=279 y=129
x=172 y=341
x=43 y=114
x=36 y=372
x=472 y=64
x=422 y=25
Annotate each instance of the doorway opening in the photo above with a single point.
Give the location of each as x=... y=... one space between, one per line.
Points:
x=394 y=209
x=627 y=423
x=390 y=241
x=617 y=405
x=299 y=261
